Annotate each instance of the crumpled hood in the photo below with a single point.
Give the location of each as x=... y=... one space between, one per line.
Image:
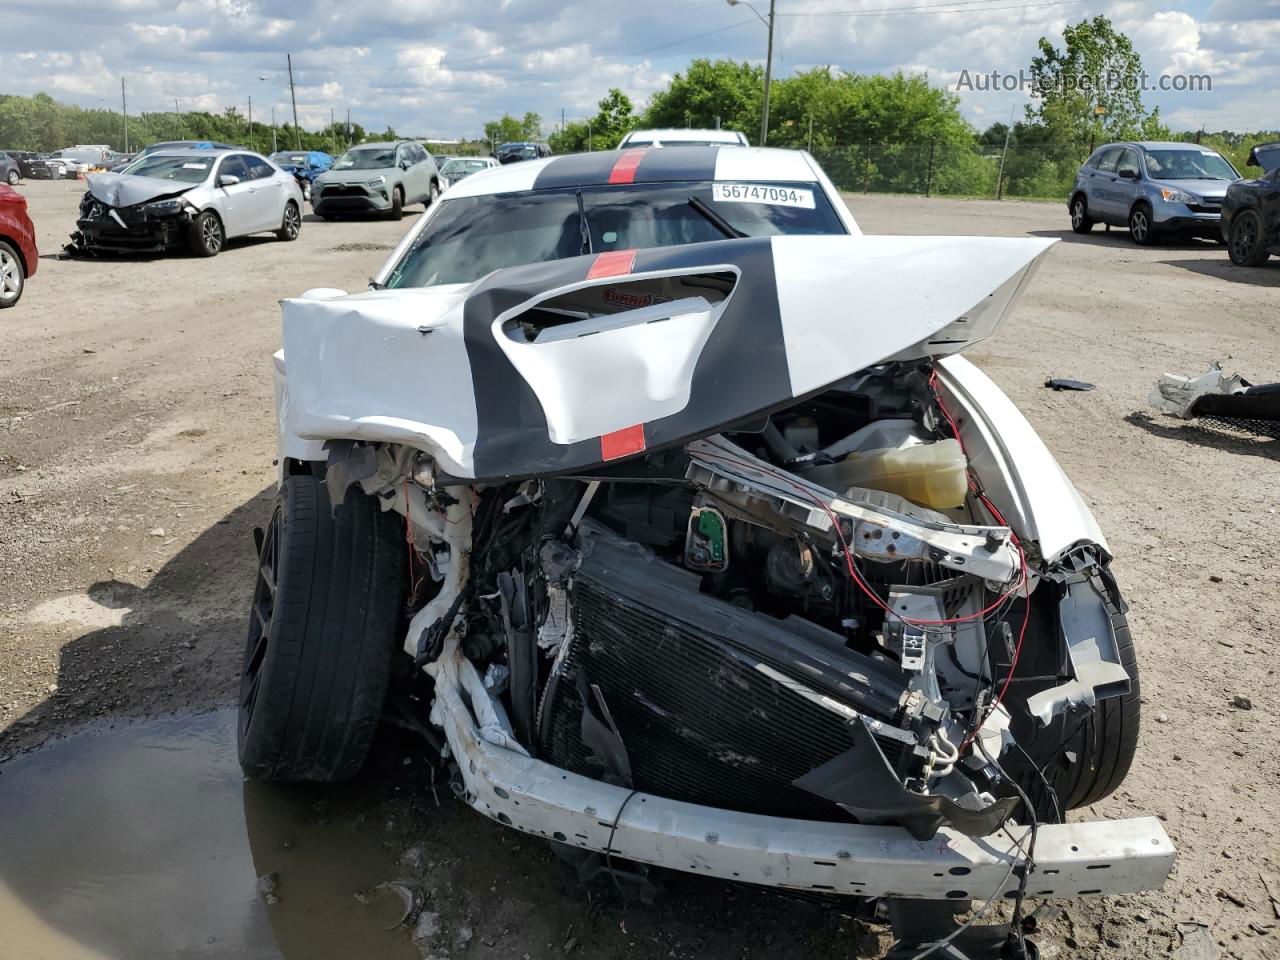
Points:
x=125 y=189
x=557 y=366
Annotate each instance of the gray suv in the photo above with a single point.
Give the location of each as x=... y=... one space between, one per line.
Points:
x=1154 y=189
x=377 y=178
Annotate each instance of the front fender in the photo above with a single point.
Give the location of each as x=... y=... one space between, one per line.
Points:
x=1017 y=470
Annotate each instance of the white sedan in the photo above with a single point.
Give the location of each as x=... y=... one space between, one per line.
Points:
x=192 y=198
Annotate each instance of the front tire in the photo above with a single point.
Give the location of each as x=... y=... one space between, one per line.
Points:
x=1085 y=754
x=207 y=235
x=291 y=224
x=1141 y=230
x=1080 y=222
x=322 y=633
x=13 y=278
x=433 y=194
x=1246 y=245
x=397 y=204
x=12 y=177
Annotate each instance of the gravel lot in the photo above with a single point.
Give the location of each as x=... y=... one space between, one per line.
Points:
x=136 y=446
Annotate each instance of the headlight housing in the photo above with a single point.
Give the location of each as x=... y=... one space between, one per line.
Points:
x=1177 y=196
x=376 y=182
x=166 y=207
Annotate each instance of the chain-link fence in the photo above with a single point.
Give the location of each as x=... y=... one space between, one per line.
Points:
x=1043 y=171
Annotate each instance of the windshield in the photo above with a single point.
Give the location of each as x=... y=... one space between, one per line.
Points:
x=1192 y=163
x=186 y=169
x=462 y=167
x=367 y=158
x=296 y=159
x=472 y=236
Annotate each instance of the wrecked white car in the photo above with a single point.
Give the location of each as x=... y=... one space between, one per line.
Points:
x=190 y=198
x=660 y=499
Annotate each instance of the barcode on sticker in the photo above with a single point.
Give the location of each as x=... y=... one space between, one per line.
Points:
x=762 y=193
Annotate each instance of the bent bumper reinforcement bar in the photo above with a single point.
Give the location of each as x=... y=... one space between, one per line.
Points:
x=1075 y=859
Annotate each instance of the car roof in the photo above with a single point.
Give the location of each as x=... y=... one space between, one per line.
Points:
x=1160 y=145
x=655 y=166
x=685 y=133
x=379 y=143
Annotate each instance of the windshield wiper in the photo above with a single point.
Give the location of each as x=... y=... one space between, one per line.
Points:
x=584 y=229
x=717 y=221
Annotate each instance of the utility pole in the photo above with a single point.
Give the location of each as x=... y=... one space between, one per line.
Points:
x=1000 y=182
x=590 y=146
x=124 y=109
x=297 y=131
x=333 y=131
x=275 y=147
x=251 y=121
x=768 y=64
x=178 y=114
x=348 y=126
x=562 y=121
x=768 y=79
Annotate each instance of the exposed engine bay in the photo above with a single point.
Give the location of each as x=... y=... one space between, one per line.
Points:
x=820 y=615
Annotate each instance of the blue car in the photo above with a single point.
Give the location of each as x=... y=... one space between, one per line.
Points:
x=305 y=165
x=1154 y=189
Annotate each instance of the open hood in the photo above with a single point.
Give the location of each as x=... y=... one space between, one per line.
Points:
x=125 y=190
x=564 y=365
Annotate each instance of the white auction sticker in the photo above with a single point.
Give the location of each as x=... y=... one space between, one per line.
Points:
x=762 y=193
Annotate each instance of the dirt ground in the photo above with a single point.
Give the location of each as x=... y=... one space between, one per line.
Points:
x=136 y=446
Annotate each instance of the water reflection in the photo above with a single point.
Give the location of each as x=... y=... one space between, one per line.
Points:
x=146 y=841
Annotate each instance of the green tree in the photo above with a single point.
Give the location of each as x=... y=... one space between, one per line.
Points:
x=615 y=115
x=508 y=128
x=1090 y=90
x=707 y=92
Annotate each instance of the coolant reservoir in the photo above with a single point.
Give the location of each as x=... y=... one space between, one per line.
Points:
x=930 y=474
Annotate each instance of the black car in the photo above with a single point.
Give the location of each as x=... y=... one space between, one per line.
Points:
x=521 y=150
x=30 y=166
x=1251 y=211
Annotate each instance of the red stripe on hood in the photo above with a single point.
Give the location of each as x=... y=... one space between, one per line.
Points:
x=624 y=168
x=615 y=263
x=622 y=443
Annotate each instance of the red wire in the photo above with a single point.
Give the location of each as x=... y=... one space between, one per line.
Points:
x=848 y=553
x=1022 y=556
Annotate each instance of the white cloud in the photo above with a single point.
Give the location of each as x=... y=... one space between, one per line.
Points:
x=445 y=66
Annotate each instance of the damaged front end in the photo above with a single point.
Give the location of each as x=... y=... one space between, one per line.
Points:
x=837 y=628
x=114 y=218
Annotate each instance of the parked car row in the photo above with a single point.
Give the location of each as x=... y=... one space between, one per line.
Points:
x=1161 y=189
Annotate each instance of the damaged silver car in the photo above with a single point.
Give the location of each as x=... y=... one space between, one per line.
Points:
x=661 y=501
x=193 y=199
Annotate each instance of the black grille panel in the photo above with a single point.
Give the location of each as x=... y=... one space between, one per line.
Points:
x=703 y=693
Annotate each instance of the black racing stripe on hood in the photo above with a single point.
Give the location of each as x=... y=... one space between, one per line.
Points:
x=742 y=369
x=577 y=170
x=678 y=163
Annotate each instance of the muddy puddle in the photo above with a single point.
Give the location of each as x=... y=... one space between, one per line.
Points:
x=146 y=841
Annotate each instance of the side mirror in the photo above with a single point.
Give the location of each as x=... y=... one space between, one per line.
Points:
x=405 y=164
x=1128 y=173
x=227 y=180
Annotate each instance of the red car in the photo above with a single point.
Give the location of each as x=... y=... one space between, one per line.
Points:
x=18 y=254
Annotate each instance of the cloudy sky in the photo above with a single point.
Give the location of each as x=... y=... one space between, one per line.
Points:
x=443 y=67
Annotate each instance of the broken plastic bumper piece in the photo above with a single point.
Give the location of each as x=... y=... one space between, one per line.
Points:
x=507 y=785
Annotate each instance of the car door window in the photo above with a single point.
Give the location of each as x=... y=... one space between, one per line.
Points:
x=258 y=168
x=233 y=166
x=1107 y=161
x=1128 y=161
